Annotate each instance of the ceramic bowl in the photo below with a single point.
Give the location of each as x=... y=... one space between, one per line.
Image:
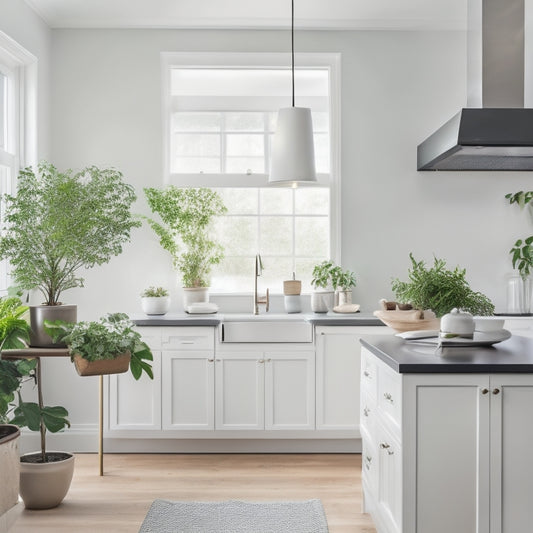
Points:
x=489 y=323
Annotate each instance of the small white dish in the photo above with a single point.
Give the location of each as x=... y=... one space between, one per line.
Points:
x=488 y=323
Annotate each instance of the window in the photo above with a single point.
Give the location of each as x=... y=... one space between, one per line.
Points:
x=220 y=117
x=17 y=120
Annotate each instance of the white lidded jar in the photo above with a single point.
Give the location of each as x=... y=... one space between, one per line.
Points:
x=457 y=324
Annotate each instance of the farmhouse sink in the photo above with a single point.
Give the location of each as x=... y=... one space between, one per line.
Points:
x=265 y=328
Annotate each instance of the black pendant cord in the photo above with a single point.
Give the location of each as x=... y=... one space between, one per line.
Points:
x=292 y=50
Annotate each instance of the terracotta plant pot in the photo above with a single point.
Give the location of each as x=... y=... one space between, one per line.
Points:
x=9 y=467
x=44 y=485
x=118 y=365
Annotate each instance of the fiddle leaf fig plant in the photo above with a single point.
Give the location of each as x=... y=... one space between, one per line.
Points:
x=440 y=289
x=59 y=222
x=185 y=216
x=14 y=334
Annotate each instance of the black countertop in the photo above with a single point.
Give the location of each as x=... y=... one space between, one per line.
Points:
x=513 y=355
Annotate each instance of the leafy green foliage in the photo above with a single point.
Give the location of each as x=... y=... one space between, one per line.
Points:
x=521 y=198
x=14 y=333
x=154 y=292
x=186 y=216
x=522 y=256
x=59 y=222
x=328 y=272
x=112 y=335
x=440 y=290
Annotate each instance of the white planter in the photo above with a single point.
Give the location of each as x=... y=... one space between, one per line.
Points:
x=44 y=485
x=10 y=469
x=155 y=305
x=343 y=297
x=322 y=301
x=194 y=294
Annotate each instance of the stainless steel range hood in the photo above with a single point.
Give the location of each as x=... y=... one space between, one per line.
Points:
x=495 y=131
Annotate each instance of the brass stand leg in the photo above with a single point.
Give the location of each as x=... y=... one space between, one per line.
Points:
x=101 y=425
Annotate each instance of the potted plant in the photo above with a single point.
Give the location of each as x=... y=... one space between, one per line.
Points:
x=433 y=292
x=343 y=282
x=45 y=476
x=155 y=301
x=184 y=231
x=14 y=330
x=520 y=286
x=58 y=223
x=110 y=345
x=323 y=295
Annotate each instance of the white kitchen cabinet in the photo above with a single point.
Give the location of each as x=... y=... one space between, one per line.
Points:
x=338 y=375
x=264 y=390
x=452 y=455
x=188 y=390
x=136 y=405
x=240 y=386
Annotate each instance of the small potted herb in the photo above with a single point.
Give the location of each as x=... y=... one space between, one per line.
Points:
x=155 y=301
x=323 y=295
x=107 y=346
x=343 y=282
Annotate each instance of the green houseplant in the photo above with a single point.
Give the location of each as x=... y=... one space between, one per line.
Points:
x=326 y=276
x=343 y=281
x=107 y=346
x=440 y=290
x=183 y=228
x=60 y=222
x=522 y=258
x=155 y=301
x=44 y=476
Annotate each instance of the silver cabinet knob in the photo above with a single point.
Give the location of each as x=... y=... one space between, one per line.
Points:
x=388 y=397
x=366 y=411
x=496 y=391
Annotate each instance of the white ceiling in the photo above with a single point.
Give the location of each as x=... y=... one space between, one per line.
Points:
x=241 y=14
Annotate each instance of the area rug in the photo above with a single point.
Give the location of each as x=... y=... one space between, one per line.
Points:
x=235 y=517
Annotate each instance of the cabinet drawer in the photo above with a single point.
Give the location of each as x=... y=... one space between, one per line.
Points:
x=188 y=338
x=390 y=395
x=368 y=374
x=368 y=412
x=151 y=336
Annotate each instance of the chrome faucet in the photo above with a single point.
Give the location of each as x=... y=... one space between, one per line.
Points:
x=264 y=300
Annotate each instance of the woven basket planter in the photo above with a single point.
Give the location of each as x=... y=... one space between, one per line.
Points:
x=118 y=365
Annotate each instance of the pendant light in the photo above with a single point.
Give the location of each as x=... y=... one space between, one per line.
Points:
x=292 y=163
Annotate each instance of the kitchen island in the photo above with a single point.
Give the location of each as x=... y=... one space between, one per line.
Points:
x=447 y=436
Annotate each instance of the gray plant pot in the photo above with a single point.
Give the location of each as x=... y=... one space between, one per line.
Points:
x=9 y=467
x=44 y=485
x=40 y=313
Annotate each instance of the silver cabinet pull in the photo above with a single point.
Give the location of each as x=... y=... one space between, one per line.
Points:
x=387 y=447
x=484 y=391
x=366 y=410
x=269 y=360
x=368 y=462
x=496 y=391
x=388 y=397
x=261 y=361
x=210 y=360
x=366 y=374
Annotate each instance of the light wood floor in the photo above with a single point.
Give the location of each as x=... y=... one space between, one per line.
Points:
x=119 y=500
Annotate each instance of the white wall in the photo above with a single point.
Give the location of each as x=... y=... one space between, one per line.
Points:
x=397 y=88
x=21 y=23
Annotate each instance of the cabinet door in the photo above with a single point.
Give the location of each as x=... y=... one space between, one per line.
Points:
x=240 y=388
x=511 y=470
x=289 y=390
x=187 y=387
x=136 y=405
x=338 y=373
x=446 y=425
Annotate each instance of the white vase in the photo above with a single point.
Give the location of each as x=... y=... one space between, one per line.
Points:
x=343 y=297
x=322 y=301
x=193 y=295
x=155 y=305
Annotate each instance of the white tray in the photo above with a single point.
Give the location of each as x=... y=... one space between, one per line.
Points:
x=481 y=338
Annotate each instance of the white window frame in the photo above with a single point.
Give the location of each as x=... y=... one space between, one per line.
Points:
x=306 y=60
x=20 y=66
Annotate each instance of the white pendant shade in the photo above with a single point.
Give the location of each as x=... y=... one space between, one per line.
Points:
x=293 y=154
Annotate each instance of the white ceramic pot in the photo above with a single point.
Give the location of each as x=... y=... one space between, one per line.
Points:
x=155 y=305
x=343 y=297
x=293 y=303
x=10 y=468
x=44 y=485
x=322 y=301
x=193 y=295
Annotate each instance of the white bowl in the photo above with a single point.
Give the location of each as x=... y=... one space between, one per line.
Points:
x=489 y=323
